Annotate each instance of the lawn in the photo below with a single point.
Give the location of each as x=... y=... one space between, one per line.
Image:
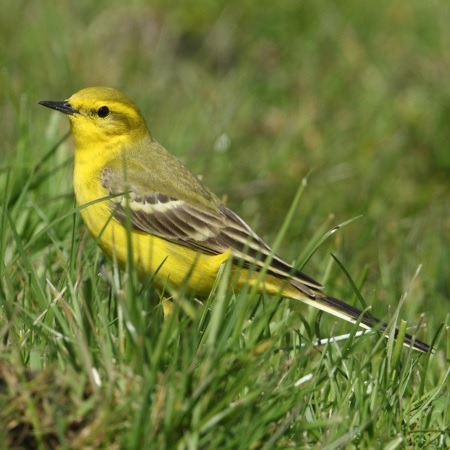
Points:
x=347 y=101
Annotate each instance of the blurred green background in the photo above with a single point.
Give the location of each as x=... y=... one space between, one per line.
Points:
x=254 y=96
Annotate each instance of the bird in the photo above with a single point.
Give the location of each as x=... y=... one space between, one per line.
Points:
x=134 y=195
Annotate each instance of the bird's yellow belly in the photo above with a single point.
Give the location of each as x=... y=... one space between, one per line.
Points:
x=170 y=264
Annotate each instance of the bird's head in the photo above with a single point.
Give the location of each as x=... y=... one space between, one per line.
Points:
x=101 y=115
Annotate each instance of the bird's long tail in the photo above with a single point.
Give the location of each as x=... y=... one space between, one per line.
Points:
x=338 y=308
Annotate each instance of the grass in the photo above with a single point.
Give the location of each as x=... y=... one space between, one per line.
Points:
x=256 y=97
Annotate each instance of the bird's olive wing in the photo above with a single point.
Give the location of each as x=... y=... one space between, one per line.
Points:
x=210 y=231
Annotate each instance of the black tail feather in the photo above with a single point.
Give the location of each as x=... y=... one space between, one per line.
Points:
x=365 y=319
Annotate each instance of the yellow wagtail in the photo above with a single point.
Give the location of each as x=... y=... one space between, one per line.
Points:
x=178 y=228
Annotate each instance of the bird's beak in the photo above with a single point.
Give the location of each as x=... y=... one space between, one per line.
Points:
x=63 y=106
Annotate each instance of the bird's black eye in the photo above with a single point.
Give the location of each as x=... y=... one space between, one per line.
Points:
x=103 y=112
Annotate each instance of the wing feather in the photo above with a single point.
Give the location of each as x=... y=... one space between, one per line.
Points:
x=210 y=231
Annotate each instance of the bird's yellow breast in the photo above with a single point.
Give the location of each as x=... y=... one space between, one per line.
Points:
x=172 y=263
